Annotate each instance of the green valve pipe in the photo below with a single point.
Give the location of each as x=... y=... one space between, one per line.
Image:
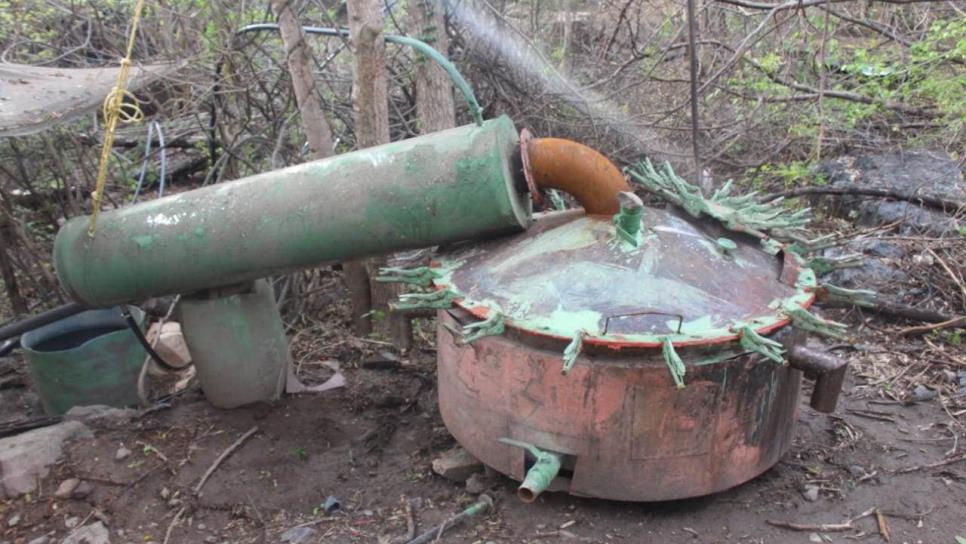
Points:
x=546 y=465
x=443 y=187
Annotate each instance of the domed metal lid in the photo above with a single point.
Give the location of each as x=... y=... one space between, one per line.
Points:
x=575 y=275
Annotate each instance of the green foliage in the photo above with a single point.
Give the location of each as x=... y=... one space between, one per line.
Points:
x=788 y=174
x=927 y=75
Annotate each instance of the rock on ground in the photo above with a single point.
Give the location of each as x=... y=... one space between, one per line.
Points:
x=101 y=417
x=95 y=533
x=457 y=465
x=924 y=173
x=27 y=457
x=880 y=269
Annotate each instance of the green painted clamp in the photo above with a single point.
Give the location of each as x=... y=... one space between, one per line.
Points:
x=803 y=319
x=674 y=363
x=421 y=276
x=572 y=351
x=627 y=221
x=737 y=213
x=434 y=300
x=856 y=297
x=754 y=342
x=803 y=247
x=494 y=325
x=824 y=265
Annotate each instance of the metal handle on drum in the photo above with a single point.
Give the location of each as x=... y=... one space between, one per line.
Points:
x=826 y=369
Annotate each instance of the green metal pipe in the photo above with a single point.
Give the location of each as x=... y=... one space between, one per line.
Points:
x=443 y=187
x=546 y=465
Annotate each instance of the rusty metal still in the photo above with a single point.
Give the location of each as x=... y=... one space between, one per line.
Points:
x=646 y=356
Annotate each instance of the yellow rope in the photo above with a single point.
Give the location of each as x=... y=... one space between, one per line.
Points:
x=114 y=110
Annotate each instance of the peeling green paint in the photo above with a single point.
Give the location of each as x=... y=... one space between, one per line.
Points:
x=737 y=213
x=144 y=241
x=572 y=352
x=439 y=188
x=674 y=363
x=525 y=298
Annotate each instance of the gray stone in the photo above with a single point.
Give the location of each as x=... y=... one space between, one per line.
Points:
x=920 y=172
x=122 y=454
x=879 y=269
x=298 y=535
x=14 y=520
x=66 y=488
x=95 y=533
x=457 y=465
x=810 y=493
x=42 y=539
x=102 y=417
x=922 y=394
x=26 y=458
x=83 y=490
x=478 y=483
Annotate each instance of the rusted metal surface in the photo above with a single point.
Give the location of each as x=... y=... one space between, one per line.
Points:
x=827 y=370
x=582 y=172
x=569 y=273
x=624 y=430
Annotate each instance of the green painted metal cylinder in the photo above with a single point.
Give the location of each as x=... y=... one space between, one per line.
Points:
x=238 y=345
x=443 y=187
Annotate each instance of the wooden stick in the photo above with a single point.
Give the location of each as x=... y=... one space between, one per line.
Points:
x=823 y=528
x=933 y=202
x=174 y=521
x=883 y=525
x=923 y=329
x=228 y=451
x=949 y=271
x=937 y=464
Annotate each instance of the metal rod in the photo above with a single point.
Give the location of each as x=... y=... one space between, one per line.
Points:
x=39 y=320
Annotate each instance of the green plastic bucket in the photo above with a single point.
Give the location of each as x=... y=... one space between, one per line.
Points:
x=89 y=358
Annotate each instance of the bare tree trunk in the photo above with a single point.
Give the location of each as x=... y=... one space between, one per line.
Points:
x=299 y=59
x=17 y=302
x=370 y=103
x=567 y=53
x=434 y=90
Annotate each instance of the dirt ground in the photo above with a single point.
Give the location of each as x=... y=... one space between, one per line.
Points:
x=371 y=445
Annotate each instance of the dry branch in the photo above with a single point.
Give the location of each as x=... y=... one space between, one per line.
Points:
x=224 y=455
x=931 y=201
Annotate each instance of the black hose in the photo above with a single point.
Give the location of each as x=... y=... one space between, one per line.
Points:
x=139 y=334
x=56 y=314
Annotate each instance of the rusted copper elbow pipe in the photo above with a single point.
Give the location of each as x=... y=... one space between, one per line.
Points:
x=582 y=172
